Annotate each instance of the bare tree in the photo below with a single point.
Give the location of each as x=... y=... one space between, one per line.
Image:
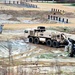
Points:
x=11 y=62
x=57 y=66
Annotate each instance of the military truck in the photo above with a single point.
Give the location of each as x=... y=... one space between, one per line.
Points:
x=50 y=38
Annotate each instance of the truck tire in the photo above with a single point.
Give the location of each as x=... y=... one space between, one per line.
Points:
x=71 y=55
x=31 y=39
x=36 y=40
x=56 y=44
x=49 y=42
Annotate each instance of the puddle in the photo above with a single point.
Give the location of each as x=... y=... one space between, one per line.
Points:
x=7 y=21
x=14 y=31
x=4 y=19
x=29 y=22
x=16 y=47
x=26 y=20
x=5 y=16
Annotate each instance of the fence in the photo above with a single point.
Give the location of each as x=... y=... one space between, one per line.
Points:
x=29 y=5
x=12 y=2
x=58 y=19
x=57 y=1
x=57 y=10
x=22 y=4
x=20 y=1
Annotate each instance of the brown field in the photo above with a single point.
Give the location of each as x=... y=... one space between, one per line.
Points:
x=41 y=6
x=48 y=6
x=23 y=26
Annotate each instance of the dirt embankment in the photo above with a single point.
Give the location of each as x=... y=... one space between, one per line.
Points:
x=40 y=16
x=24 y=13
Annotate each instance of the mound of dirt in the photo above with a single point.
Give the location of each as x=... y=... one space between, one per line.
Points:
x=38 y=16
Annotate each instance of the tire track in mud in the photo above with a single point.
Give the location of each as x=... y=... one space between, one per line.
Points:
x=44 y=47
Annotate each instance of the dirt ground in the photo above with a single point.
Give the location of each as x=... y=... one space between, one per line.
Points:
x=41 y=6
x=24 y=26
x=37 y=14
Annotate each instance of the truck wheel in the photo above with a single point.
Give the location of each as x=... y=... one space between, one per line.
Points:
x=71 y=55
x=36 y=40
x=56 y=44
x=49 y=43
x=31 y=39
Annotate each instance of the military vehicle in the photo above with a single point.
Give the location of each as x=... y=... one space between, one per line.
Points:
x=50 y=38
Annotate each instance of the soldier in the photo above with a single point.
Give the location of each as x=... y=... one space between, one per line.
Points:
x=70 y=48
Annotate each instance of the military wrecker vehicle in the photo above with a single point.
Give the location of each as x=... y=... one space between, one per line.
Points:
x=51 y=38
x=40 y=34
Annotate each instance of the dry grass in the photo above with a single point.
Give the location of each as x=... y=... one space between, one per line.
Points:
x=42 y=6
x=24 y=26
x=47 y=6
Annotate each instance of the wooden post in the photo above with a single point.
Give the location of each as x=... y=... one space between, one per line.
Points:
x=13 y=2
x=54 y=10
x=63 y=20
x=51 y=17
x=9 y=2
x=59 y=19
x=58 y=10
x=66 y=20
x=48 y=16
x=17 y=2
x=56 y=18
